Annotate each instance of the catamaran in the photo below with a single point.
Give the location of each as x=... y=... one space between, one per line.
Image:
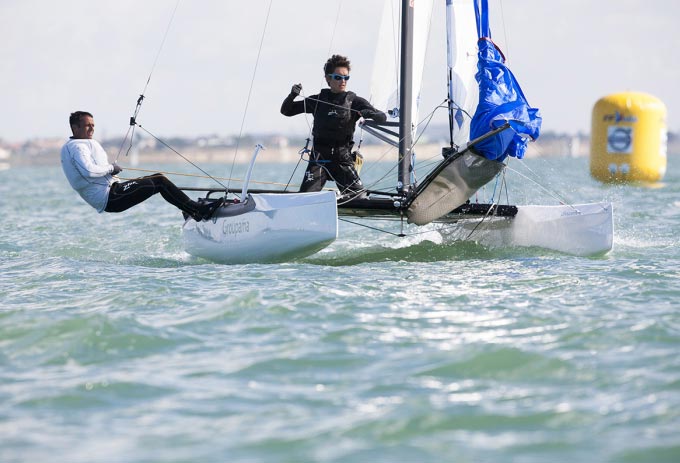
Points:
x=490 y=121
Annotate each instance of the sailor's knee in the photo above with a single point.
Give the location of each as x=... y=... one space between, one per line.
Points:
x=160 y=178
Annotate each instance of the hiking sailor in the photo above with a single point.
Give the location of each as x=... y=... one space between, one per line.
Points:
x=336 y=112
x=88 y=171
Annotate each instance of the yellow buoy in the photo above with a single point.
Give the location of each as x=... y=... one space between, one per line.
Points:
x=628 y=139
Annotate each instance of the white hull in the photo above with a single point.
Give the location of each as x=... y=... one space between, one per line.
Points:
x=280 y=227
x=581 y=229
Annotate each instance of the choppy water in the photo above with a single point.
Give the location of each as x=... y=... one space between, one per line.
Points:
x=116 y=346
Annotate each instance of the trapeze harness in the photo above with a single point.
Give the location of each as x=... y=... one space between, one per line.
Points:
x=332 y=157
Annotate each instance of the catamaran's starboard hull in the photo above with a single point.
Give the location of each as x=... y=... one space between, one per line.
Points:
x=274 y=228
x=581 y=229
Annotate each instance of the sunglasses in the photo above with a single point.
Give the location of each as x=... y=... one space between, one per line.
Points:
x=338 y=77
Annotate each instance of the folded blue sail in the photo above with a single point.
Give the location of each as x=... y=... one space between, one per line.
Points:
x=501 y=100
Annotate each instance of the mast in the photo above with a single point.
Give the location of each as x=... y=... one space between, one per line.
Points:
x=406 y=98
x=449 y=63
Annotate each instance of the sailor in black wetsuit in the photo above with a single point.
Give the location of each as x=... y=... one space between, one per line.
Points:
x=336 y=112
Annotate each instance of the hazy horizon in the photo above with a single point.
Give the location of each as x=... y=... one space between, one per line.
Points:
x=66 y=56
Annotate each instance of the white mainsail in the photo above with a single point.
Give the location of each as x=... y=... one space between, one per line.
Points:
x=385 y=80
x=461 y=51
x=462 y=61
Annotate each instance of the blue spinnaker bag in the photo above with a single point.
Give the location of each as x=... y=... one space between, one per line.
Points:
x=501 y=100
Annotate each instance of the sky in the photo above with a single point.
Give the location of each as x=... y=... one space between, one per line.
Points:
x=205 y=77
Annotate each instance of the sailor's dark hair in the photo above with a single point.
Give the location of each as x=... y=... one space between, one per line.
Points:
x=336 y=61
x=74 y=118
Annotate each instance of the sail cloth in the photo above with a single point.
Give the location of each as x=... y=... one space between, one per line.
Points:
x=501 y=100
x=501 y=103
x=451 y=187
x=461 y=51
x=385 y=80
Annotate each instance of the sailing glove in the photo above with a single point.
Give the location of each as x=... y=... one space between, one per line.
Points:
x=377 y=116
x=116 y=169
x=297 y=88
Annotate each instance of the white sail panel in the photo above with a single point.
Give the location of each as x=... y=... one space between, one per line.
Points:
x=385 y=80
x=422 y=18
x=462 y=49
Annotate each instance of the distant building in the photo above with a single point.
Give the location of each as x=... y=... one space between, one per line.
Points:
x=278 y=148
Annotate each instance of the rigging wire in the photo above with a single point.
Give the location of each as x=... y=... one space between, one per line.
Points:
x=426 y=120
x=182 y=156
x=301 y=153
x=554 y=194
x=330 y=48
x=250 y=90
x=165 y=36
x=494 y=203
x=505 y=31
x=138 y=107
x=400 y=235
x=310 y=135
x=335 y=27
x=551 y=193
x=183 y=174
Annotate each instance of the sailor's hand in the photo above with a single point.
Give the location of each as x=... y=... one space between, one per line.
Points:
x=376 y=115
x=297 y=88
x=367 y=113
x=116 y=169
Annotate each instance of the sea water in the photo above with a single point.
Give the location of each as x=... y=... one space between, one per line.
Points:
x=117 y=346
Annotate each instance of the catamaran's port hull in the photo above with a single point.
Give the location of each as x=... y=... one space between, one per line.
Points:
x=280 y=227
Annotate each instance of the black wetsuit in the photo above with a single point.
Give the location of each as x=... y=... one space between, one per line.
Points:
x=335 y=117
x=124 y=195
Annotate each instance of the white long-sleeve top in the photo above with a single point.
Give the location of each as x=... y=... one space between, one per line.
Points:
x=88 y=170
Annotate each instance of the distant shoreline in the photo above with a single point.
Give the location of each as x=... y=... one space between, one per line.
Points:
x=277 y=150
